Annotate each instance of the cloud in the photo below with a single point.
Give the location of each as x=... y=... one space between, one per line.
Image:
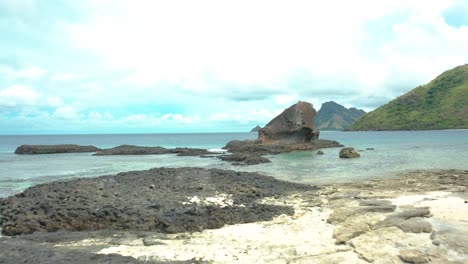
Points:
x=17 y=95
x=200 y=64
x=31 y=72
x=66 y=112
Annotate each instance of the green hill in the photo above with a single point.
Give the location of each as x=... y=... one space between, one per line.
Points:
x=440 y=104
x=333 y=116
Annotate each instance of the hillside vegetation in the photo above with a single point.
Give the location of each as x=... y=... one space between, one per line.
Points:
x=441 y=104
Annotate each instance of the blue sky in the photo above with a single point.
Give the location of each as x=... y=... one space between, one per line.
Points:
x=122 y=66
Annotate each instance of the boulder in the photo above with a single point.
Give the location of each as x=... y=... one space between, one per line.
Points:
x=52 y=149
x=294 y=125
x=320 y=152
x=349 y=153
x=413 y=256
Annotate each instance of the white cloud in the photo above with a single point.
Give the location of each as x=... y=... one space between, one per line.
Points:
x=54 y=101
x=205 y=46
x=66 y=112
x=31 y=72
x=63 y=77
x=18 y=95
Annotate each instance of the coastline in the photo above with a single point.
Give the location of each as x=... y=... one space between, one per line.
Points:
x=352 y=214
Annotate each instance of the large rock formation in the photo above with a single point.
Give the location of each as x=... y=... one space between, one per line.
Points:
x=294 y=125
x=50 y=149
x=291 y=130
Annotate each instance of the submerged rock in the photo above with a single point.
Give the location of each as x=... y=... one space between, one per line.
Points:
x=52 y=149
x=164 y=200
x=349 y=153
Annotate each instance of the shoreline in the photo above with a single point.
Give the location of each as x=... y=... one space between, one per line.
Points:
x=353 y=214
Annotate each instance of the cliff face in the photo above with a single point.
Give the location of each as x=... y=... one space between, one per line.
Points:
x=294 y=125
x=333 y=116
x=441 y=104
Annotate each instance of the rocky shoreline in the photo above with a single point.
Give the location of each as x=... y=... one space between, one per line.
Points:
x=418 y=217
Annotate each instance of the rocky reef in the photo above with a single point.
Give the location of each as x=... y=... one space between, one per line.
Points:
x=51 y=149
x=141 y=150
x=162 y=199
x=291 y=130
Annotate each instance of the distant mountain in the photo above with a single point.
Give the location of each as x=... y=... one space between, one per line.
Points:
x=441 y=104
x=333 y=116
x=255 y=129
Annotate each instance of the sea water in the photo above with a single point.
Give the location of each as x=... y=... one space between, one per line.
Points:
x=394 y=152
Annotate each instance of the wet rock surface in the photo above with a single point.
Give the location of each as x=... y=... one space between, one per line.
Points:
x=141 y=150
x=349 y=153
x=162 y=199
x=52 y=149
x=244 y=159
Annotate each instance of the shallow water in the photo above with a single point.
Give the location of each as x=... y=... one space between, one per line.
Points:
x=394 y=152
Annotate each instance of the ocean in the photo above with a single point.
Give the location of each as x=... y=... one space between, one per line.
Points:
x=394 y=152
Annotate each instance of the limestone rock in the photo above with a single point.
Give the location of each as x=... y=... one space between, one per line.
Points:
x=413 y=256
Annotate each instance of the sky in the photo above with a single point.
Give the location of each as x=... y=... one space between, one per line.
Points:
x=135 y=66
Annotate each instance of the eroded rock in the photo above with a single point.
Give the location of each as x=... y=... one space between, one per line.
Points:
x=52 y=149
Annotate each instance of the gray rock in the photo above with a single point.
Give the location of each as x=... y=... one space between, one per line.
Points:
x=320 y=152
x=52 y=149
x=341 y=214
x=244 y=159
x=413 y=256
x=414 y=212
x=415 y=225
x=349 y=153
x=141 y=150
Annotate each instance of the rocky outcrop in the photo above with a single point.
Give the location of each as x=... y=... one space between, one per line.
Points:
x=52 y=149
x=295 y=125
x=290 y=131
x=244 y=159
x=163 y=200
x=140 y=150
x=349 y=153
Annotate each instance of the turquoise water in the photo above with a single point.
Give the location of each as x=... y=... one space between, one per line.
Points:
x=394 y=152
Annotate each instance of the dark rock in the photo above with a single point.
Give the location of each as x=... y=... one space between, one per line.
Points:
x=349 y=153
x=244 y=159
x=370 y=149
x=91 y=203
x=51 y=149
x=140 y=150
x=294 y=125
x=320 y=152
x=256 y=129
